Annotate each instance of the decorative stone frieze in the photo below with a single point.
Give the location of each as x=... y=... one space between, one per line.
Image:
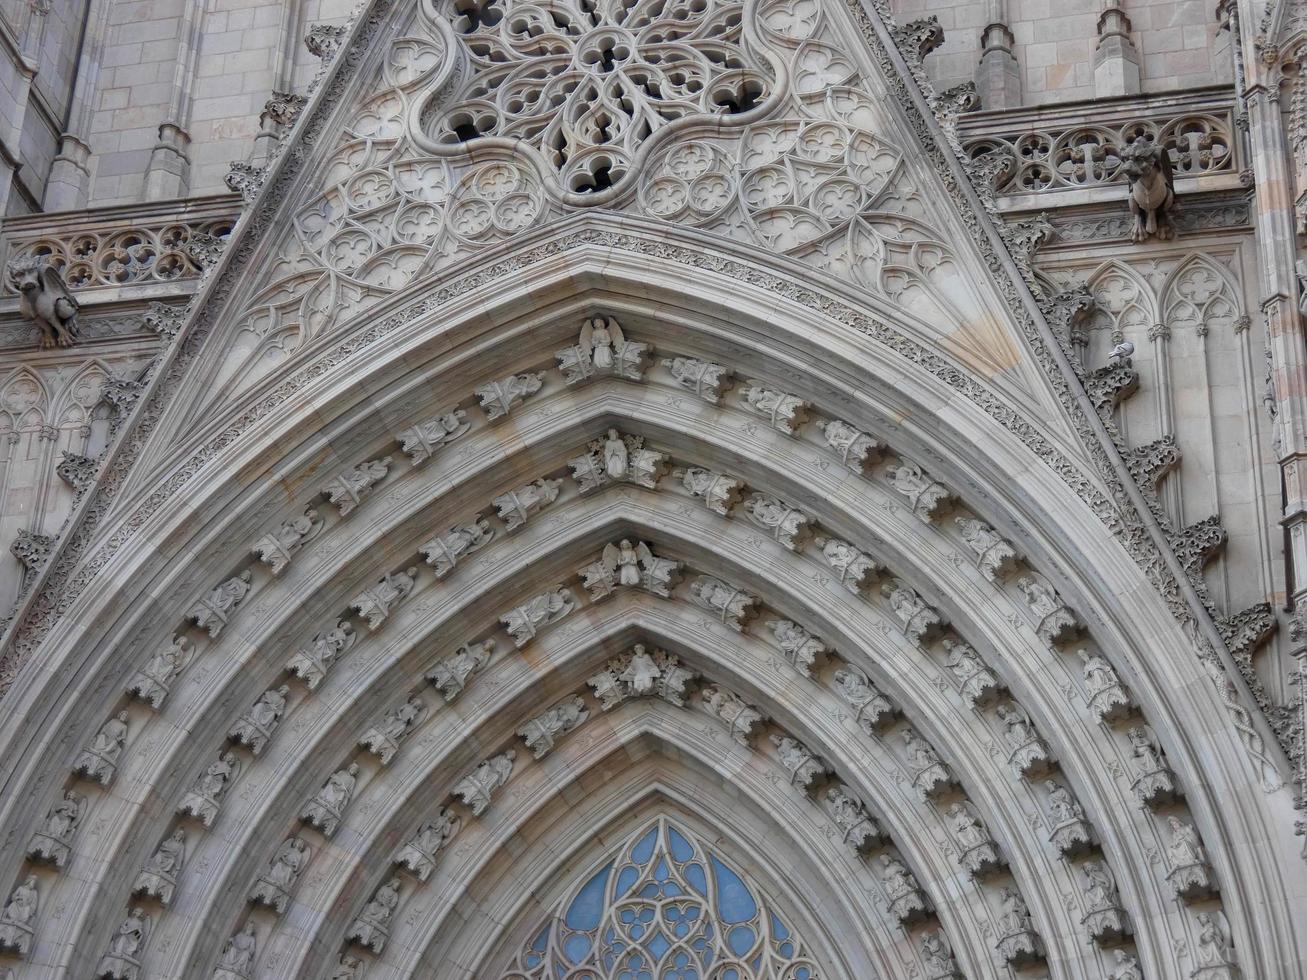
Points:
x=854 y=567
x=603 y=350
x=450 y=676
x=276 y=548
x=99 y=760
x=385 y=737
x=524 y=622
x=641 y=673
x=327 y=806
x=543 y=731
x=477 y=789
x=419 y=854
x=860 y=831
x=423 y=441
x=627 y=565
x=617 y=459
x=273 y=888
x=377 y=603
x=871 y=709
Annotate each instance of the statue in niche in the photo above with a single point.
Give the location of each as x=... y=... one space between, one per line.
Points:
x=628 y=564
x=478 y=787
x=277 y=548
x=312 y=663
x=153 y=682
x=524 y=622
x=1155 y=783
x=1107 y=697
x=422 y=441
x=869 y=704
x=803 y=650
x=783 y=411
x=419 y=854
x=542 y=732
x=977 y=682
x=159 y=876
x=346 y=490
x=719 y=493
x=1214 y=947
x=615 y=456
x=377 y=603
x=852 y=565
x=18 y=918
x=372 y=927
x=1189 y=876
x=938 y=957
x=860 y=831
x=995 y=557
x=206 y=796
x=704 y=378
x=733 y=607
x=602 y=350
x=641 y=673
x=451 y=675
x=516 y=507
x=444 y=552
x=99 y=760
x=856 y=449
x=123 y=960
x=348 y=968
x=213 y=611
x=237 y=959
x=804 y=767
x=499 y=398
x=741 y=719
x=1126 y=967
x=383 y=739
x=52 y=841
x=788 y=525
x=907 y=902
x=328 y=804
x=274 y=886
x=256 y=727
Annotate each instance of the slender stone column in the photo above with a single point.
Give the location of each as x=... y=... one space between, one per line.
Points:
x=169 y=171
x=1116 y=62
x=998 y=76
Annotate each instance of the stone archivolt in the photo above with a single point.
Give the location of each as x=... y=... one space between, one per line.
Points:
x=364 y=749
x=735 y=708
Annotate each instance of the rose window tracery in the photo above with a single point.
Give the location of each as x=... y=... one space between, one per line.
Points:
x=667 y=907
x=587 y=82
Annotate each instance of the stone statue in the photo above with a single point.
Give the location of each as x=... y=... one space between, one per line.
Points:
x=784 y=412
x=732 y=606
x=347 y=969
x=1186 y=848
x=422 y=441
x=524 y=622
x=237 y=959
x=153 y=681
x=499 y=398
x=853 y=566
x=383 y=739
x=52 y=841
x=274 y=886
x=938 y=956
x=99 y=760
x=741 y=719
x=928 y=497
x=704 y=378
x=517 y=506
x=444 y=552
x=919 y=621
x=256 y=727
x=869 y=705
x=347 y=489
x=277 y=548
x=123 y=960
x=929 y=774
x=1214 y=946
x=542 y=732
x=602 y=350
x=419 y=854
x=18 y=917
x=1154 y=783
x=630 y=565
x=856 y=449
x=312 y=663
x=206 y=795
x=372 y=927
x=377 y=603
x=788 y=526
x=995 y=557
x=45 y=299
x=641 y=673
x=1125 y=967
x=478 y=788
x=1107 y=697
x=719 y=493
x=804 y=767
x=325 y=809
x=451 y=675
x=1054 y=619
x=1147 y=166
x=907 y=902
x=803 y=650
x=976 y=681
x=860 y=831
x=213 y=611
x=159 y=876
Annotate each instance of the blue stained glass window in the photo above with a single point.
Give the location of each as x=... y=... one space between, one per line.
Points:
x=666 y=907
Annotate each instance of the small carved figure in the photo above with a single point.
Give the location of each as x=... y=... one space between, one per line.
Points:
x=517 y=506
x=1155 y=783
x=1147 y=167
x=153 y=681
x=1054 y=619
x=804 y=767
x=788 y=525
x=803 y=650
x=524 y=622
x=1214 y=947
x=99 y=760
x=938 y=957
x=328 y=804
x=869 y=705
x=919 y=621
x=377 y=603
x=206 y=796
x=542 y=732
x=733 y=606
x=1029 y=756
x=704 y=378
x=977 y=852
x=419 y=854
x=422 y=441
x=617 y=458
x=444 y=552
x=1018 y=943
x=1104 y=918
x=602 y=350
x=929 y=774
x=1126 y=967
x=499 y=398
x=995 y=557
x=237 y=959
x=44 y=299
x=347 y=490
x=478 y=787
x=159 y=876
x=451 y=675
x=372 y=927
x=719 y=493
x=18 y=918
x=742 y=720
x=1189 y=877
x=1071 y=832
x=641 y=674
x=784 y=412
x=929 y=498
x=907 y=902
x=856 y=449
x=312 y=663
x=1015 y=916
x=860 y=831
x=853 y=566
x=347 y=969
x=977 y=682
x=123 y=960
x=256 y=727
x=277 y=548
x=213 y=611
x=52 y=841
x=630 y=565
x=275 y=885
x=384 y=738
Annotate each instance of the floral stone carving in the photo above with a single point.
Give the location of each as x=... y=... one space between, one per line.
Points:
x=627 y=565
x=419 y=854
x=524 y=622
x=641 y=673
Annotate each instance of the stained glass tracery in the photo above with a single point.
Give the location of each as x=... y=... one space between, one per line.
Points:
x=666 y=907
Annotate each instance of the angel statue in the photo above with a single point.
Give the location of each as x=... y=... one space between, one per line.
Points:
x=602 y=349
